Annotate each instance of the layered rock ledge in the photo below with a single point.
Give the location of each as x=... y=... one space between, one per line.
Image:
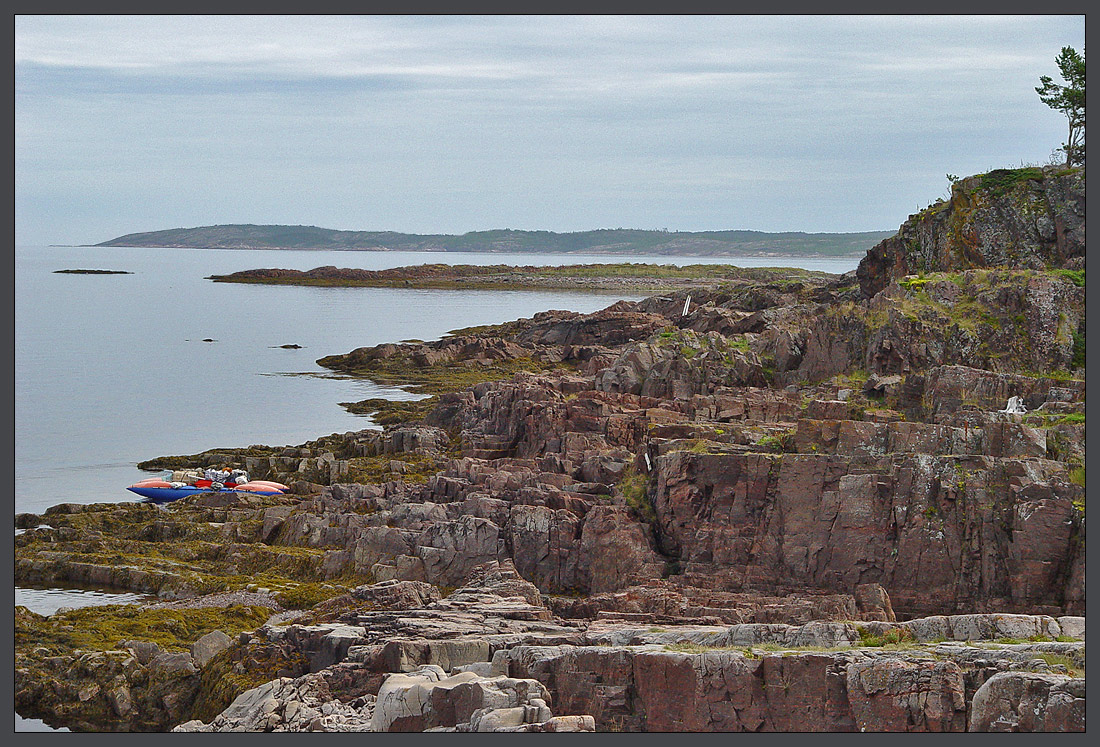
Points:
x=797 y=506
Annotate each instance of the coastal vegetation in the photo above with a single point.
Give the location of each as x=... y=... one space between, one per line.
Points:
x=1068 y=99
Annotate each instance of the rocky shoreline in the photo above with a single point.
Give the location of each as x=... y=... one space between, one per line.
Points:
x=803 y=505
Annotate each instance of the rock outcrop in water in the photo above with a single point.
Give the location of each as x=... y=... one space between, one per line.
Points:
x=794 y=507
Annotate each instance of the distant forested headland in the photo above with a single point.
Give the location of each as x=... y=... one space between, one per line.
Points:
x=604 y=241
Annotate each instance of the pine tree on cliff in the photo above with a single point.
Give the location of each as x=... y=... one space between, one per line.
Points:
x=1068 y=99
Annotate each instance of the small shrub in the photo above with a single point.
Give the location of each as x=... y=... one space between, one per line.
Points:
x=632 y=488
x=893 y=637
x=1061 y=660
x=914 y=284
x=780 y=442
x=699 y=446
x=1078 y=359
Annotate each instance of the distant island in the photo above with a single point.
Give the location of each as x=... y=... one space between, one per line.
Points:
x=604 y=241
x=616 y=277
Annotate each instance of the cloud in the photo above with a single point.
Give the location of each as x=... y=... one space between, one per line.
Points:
x=461 y=123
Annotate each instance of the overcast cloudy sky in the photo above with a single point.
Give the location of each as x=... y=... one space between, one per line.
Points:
x=452 y=124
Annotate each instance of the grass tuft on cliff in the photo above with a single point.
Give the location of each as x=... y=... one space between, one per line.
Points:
x=999 y=181
x=895 y=637
x=632 y=488
x=1077 y=277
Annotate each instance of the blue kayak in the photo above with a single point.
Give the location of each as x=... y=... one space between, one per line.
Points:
x=164 y=495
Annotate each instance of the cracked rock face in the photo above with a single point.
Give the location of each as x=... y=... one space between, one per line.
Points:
x=454 y=665
x=798 y=506
x=1035 y=221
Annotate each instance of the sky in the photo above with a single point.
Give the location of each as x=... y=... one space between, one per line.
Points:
x=448 y=124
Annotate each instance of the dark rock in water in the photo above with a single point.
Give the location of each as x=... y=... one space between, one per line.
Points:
x=92 y=272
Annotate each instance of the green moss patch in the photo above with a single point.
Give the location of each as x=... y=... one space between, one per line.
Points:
x=1077 y=277
x=417 y=468
x=103 y=628
x=1073 y=669
x=185 y=550
x=1000 y=181
x=390 y=412
x=235 y=671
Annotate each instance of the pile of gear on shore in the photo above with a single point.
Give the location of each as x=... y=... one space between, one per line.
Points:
x=214 y=479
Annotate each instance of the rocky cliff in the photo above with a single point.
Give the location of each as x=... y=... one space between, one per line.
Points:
x=1030 y=218
x=793 y=507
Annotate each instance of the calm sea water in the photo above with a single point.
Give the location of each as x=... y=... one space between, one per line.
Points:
x=111 y=370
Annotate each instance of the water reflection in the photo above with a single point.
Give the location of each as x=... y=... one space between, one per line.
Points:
x=34 y=724
x=47 y=601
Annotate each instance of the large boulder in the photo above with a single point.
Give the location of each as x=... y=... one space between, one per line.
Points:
x=427 y=698
x=209 y=646
x=1029 y=701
